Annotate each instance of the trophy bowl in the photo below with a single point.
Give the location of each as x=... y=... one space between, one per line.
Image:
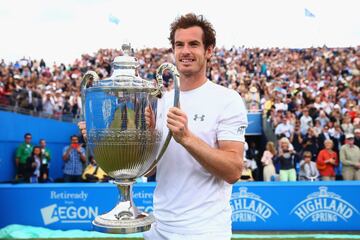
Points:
x=119 y=138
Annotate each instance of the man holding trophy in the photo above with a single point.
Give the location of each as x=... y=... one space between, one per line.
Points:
x=205 y=156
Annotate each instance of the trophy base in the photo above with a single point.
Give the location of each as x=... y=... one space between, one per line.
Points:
x=141 y=224
x=125 y=217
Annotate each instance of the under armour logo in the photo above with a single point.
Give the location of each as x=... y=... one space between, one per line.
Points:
x=197 y=116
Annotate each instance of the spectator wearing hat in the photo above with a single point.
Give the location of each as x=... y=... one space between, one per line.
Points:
x=350 y=158
x=252 y=99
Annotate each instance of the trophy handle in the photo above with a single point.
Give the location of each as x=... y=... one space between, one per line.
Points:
x=158 y=92
x=89 y=75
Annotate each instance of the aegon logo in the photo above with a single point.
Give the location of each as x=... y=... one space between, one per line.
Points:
x=324 y=206
x=68 y=214
x=248 y=207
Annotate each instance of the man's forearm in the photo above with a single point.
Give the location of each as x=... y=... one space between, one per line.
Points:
x=225 y=164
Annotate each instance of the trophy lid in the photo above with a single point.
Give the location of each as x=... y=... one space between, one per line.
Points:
x=125 y=73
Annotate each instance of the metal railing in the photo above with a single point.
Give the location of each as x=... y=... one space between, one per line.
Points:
x=24 y=111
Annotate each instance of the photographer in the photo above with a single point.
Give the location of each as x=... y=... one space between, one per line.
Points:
x=74 y=160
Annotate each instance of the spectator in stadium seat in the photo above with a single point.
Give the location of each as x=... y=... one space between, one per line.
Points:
x=74 y=160
x=337 y=136
x=324 y=135
x=305 y=121
x=22 y=153
x=296 y=138
x=252 y=99
x=347 y=126
x=310 y=143
x=350 y=158
x=284 y=128
x=308 y=169
x=327 y=160
x=267 y=161
x=322 y=118
x=48 y=103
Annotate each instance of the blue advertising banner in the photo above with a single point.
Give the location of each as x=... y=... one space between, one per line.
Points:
x=254 y=124
x=330 y=206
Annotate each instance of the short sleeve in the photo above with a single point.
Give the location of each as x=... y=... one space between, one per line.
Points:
x=19 y=151
x=83 y=151
x=233 y=121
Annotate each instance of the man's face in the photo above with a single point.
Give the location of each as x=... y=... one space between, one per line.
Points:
x=350 y=141
x=42 y=143
x=28 y=139
x=74 y=140
x=357 y=135
x=190 y=53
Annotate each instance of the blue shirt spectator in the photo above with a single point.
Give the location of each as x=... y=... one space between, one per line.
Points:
x=74 y=160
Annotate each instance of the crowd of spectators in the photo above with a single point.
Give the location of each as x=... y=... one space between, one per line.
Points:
x=307 y=96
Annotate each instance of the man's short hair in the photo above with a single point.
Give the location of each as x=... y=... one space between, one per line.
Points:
x=72 y=136
x=192 y=20
x=27 y=135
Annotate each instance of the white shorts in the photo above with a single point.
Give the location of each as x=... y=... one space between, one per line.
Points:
x=157 y=234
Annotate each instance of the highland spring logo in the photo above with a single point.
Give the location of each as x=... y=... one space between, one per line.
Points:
x=324 y=206
x=248 y=207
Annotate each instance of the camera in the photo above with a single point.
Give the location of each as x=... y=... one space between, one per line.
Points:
x=75 y=145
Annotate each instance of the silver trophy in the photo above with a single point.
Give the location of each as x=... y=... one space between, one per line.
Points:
x=123 y=144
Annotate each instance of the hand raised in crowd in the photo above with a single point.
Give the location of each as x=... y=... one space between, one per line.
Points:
x=78 y=149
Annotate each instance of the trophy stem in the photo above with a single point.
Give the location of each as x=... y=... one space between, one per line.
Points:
x=125 y=217
x=125 y=190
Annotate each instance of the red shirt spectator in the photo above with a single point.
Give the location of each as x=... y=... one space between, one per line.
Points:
x=327 y=160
